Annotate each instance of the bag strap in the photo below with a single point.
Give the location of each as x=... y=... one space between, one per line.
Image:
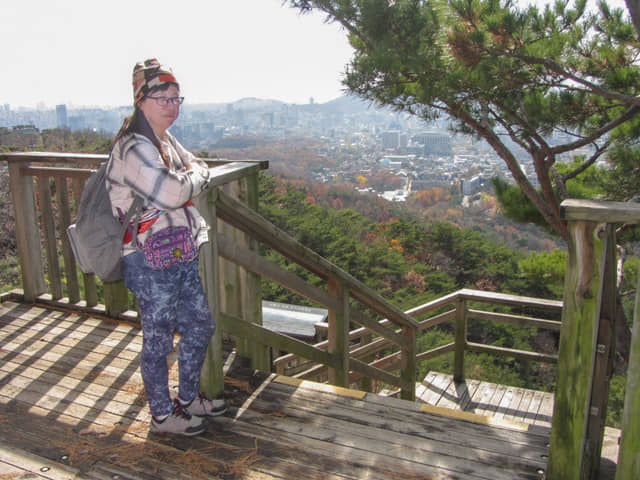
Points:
x=135 y=207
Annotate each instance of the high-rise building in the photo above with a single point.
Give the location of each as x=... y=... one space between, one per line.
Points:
x=390 y=139
x=61 y=116
x=435 y=143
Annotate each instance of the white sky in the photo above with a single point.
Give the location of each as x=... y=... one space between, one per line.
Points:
x=82 y=52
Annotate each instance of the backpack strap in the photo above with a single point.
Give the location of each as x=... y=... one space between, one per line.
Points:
x=135 y=208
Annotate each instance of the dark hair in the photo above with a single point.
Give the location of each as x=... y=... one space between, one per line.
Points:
x=138 y=123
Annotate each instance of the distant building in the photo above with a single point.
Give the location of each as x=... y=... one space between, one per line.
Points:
x=61 y=116
x=390 y=140
x=435 y=143
x=403 y=141
x=469 y=187
x=25 y=129
x=396 y=162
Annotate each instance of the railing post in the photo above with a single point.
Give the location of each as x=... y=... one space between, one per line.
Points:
x=366 y=383
x=571 y=453
x=460 y=339
x=240 y=290
x=605 y=352
x=260 y=353
x=212 y=375
x=116 y=298
x=339 y=334
x=27 y=231
x=62 y=194
x=628 y=458
x=408 y=366
x=47 y=220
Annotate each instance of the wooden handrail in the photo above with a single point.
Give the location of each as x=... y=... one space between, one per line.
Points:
x=392 y=360
x=237 y=214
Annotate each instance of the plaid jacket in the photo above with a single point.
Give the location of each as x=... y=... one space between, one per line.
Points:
x=135 y=165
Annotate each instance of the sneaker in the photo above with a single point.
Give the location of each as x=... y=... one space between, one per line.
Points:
x=180 y=422
x=202 y=406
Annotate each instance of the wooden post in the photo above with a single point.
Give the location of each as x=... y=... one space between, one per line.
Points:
x=27 y=231
x=408 y=366
x=460 y=339
x=64 y=219
x=260 y=353
x=604 y=354
x=212 y=375
x=241 y=294
x=366 y=383
x=49 y=233
x=339 y=334
x=570 y=458
x=116 y=298
x=629 y=453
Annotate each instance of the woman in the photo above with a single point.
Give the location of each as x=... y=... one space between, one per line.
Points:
x=161 y=266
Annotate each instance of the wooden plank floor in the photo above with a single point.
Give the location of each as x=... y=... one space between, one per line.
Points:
x=72 y=406
x=500 y=402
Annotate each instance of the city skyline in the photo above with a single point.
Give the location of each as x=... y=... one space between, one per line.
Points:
x=82 y=53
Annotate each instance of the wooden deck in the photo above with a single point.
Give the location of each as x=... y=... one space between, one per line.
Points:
x=72 y=406
x=498 y=403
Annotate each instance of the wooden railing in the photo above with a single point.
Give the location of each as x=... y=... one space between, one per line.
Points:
x=45 y=189
x=458 y=312
x=342 y=290
x=232 y=286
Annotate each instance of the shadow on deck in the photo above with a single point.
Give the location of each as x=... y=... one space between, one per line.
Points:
x=72 y=406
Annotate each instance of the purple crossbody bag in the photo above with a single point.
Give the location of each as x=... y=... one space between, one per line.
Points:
x=170 y=246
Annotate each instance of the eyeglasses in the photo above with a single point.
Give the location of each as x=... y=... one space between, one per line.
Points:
x=164 y=101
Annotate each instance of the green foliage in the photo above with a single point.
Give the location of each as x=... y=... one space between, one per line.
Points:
x=430 y=339
x=55 y=140
x=629 y=285
x=516 y=205
x=10 y=273
x=615 y=405
x=622 y=181
x=545 y=273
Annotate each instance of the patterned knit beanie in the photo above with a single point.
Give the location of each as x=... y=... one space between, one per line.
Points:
x=148 y=75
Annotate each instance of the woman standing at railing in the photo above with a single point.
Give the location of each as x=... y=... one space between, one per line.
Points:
x=161 y=269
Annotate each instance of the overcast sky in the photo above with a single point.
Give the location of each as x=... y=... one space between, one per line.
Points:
x=82 y=52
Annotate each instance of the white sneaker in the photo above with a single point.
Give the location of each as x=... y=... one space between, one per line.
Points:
x=180 y=422
x=202 y=406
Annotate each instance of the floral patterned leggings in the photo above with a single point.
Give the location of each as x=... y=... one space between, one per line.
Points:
x=170 y=300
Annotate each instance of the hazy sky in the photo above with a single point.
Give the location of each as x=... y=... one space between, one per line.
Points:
x=82 y=52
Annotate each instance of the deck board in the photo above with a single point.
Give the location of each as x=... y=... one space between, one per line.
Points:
x=512 y=404
x=72 y=406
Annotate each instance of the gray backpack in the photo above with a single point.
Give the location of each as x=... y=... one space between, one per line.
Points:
x=96 y=237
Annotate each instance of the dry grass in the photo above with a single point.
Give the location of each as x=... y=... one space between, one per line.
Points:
x=91 y=446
